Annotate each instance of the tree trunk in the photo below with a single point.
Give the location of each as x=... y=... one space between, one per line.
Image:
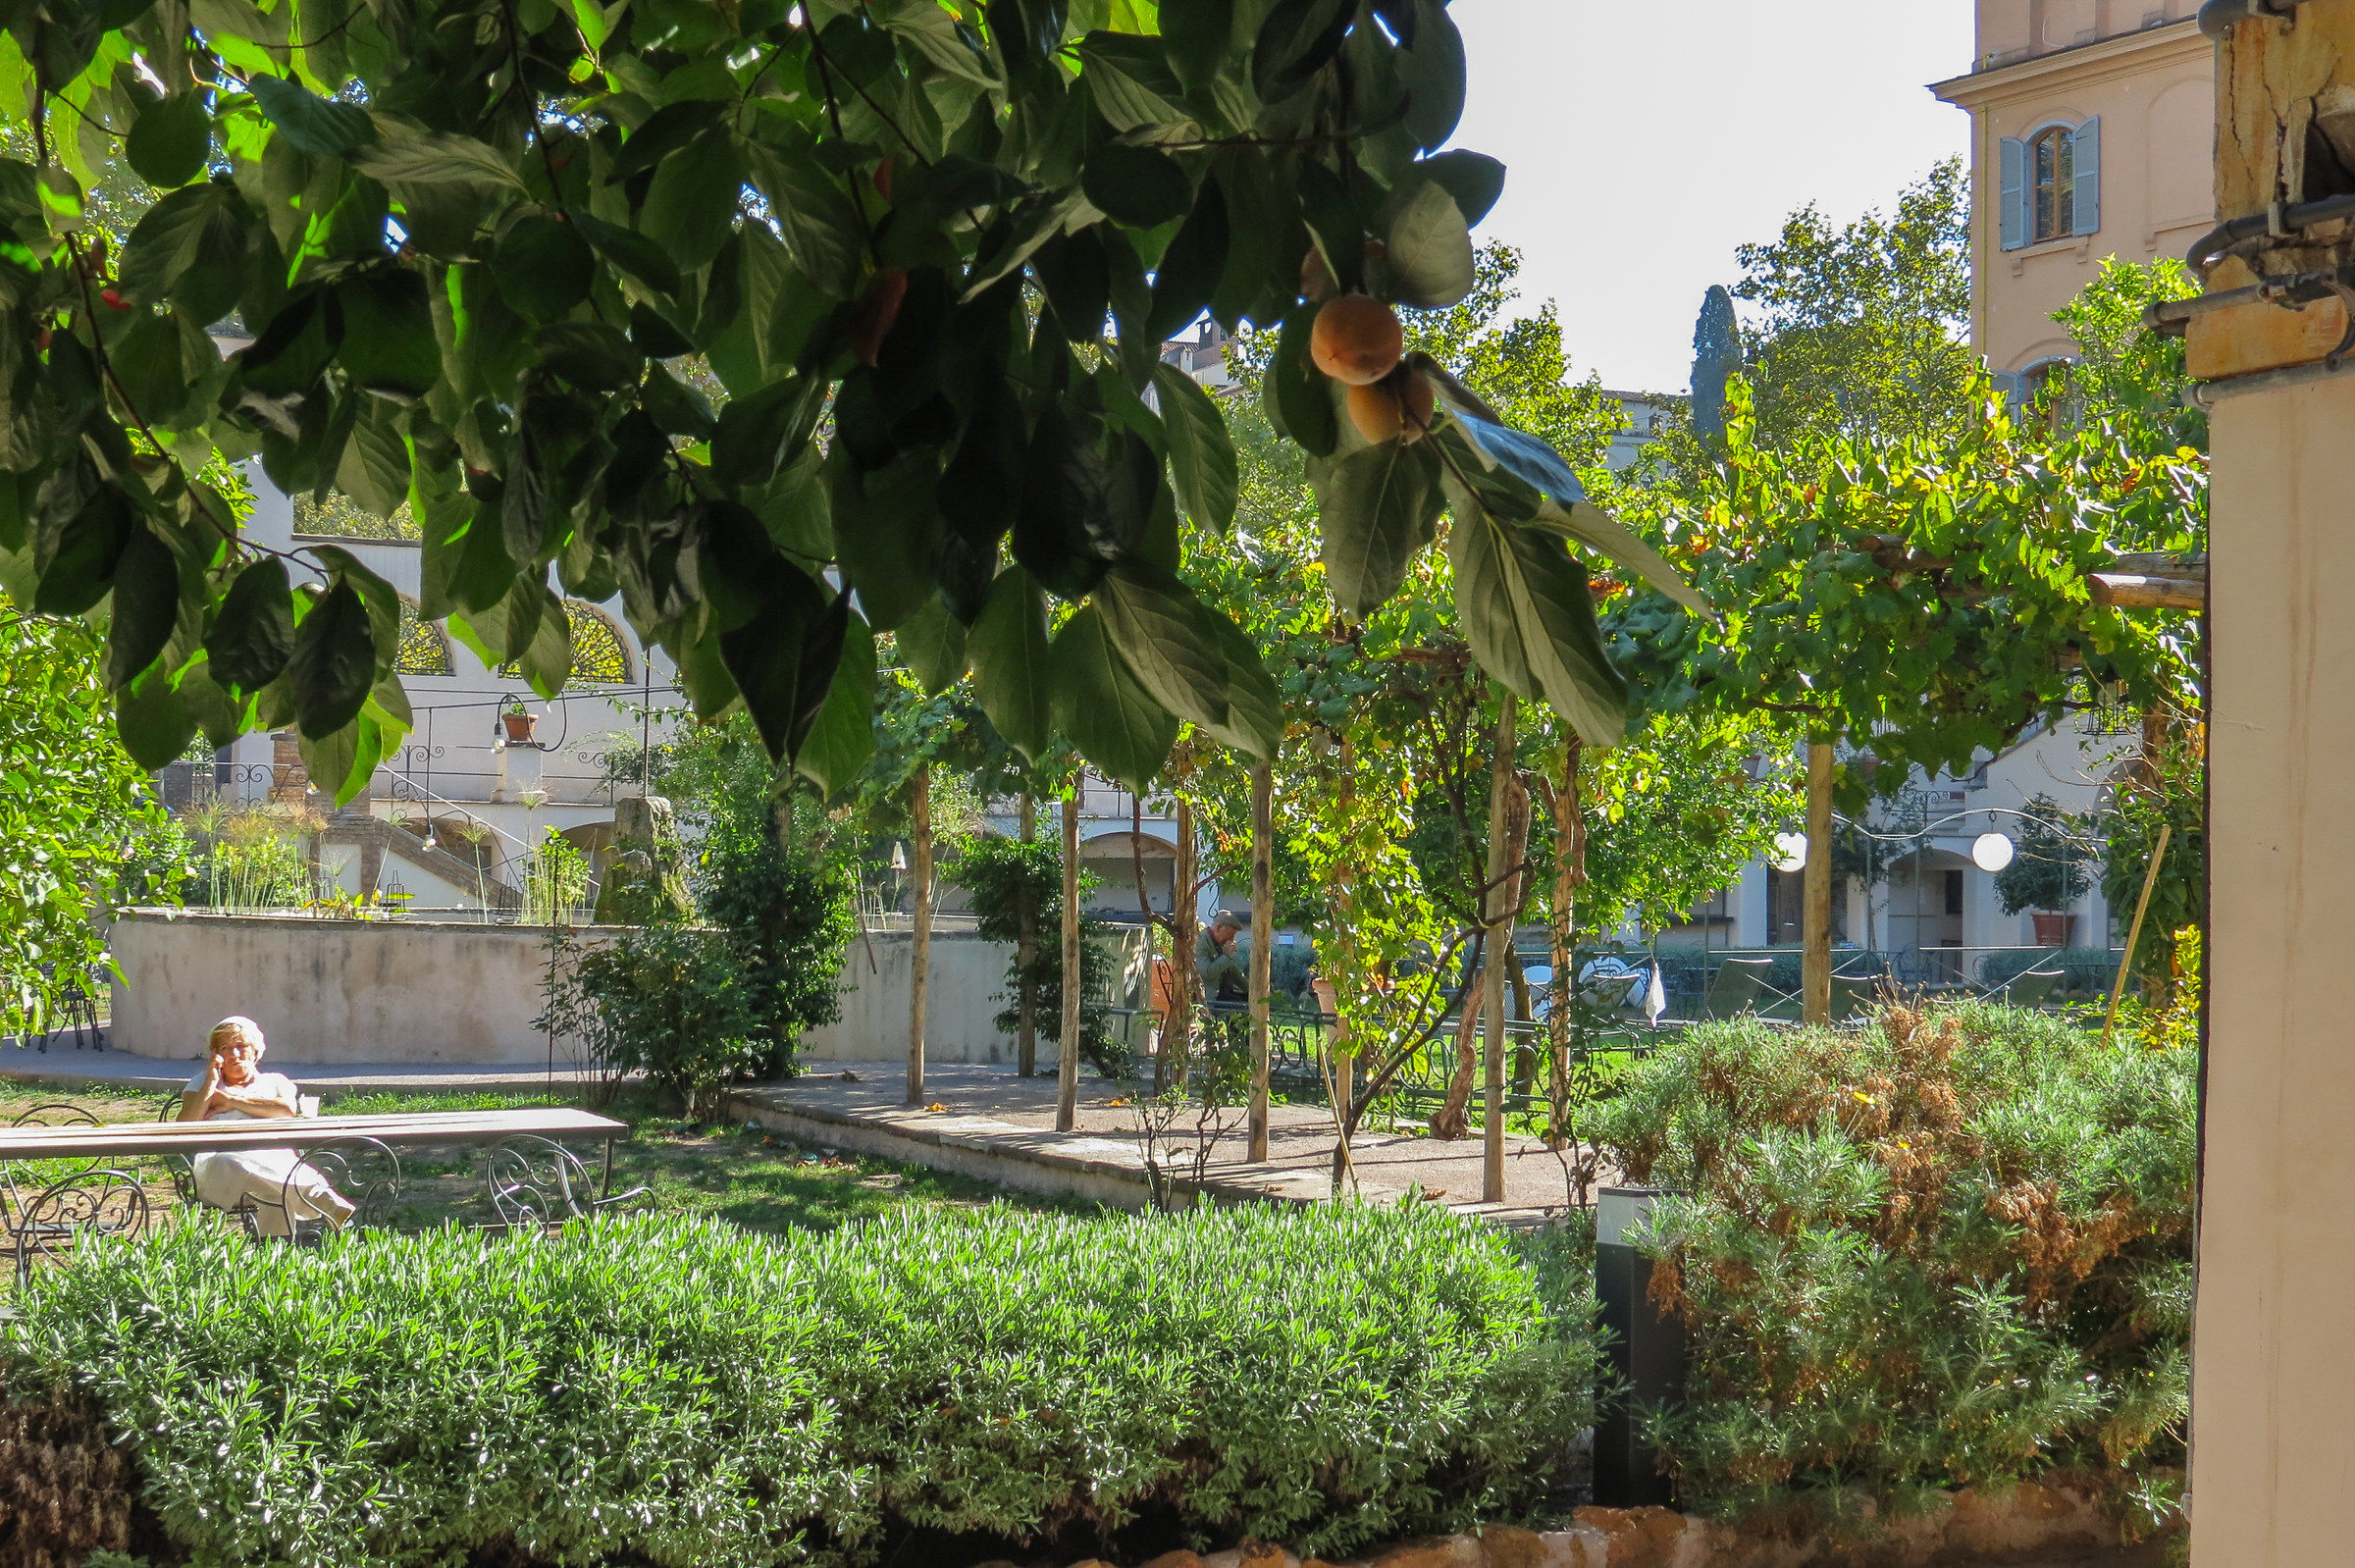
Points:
x=1524 y=1054
x=1484 y=992
x=1816 y=964
x=1506 y=850
x=1177 y=1031
x=1263 y=947
x=1569 y=875
x=1025 y=951
x=920 y=982
x=1066 y=1093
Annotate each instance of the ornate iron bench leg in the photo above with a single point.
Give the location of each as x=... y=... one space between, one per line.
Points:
x=364 y=1171
x=90 y=1203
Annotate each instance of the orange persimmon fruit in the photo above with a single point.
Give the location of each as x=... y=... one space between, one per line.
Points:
x=1356 y=339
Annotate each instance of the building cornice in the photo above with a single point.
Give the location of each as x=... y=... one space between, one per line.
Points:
x=2128 y=54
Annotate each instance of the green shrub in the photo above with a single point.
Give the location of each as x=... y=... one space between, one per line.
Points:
x=680 y=1393
x=1953 y=1250
x=670 y=1001
x=1016 y=884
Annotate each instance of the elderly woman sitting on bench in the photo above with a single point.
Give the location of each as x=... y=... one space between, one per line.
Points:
x=281 y=1187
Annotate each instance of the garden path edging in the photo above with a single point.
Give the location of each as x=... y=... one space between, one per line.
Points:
x=1087 y=1167
x=2034 y=1524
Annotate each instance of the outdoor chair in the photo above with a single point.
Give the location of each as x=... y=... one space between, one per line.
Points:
x=51 y=1204
x=2029 y=988
x=1733 y=988
x=1851 y=993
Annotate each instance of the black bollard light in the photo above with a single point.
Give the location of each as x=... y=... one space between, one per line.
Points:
x=1646 y=1352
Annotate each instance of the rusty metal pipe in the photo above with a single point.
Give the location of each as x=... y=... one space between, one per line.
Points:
x=2220 y=242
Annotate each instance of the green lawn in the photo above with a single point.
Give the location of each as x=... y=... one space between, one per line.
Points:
x=747 y=1175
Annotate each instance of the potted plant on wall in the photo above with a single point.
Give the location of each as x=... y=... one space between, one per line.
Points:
x=521 y=723
x=2047 y=875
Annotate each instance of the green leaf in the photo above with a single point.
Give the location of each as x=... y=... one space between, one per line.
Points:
x=762 y=433
x=403 y=155
x=1528 y=613
x=1101 y=708
x=1143 y=188
x=1433 y=73
x=189 y=249
x=1429 y=261
x=78 y=566
x=820 y=226
x=591 y=355
x=253 y=633
x=842 y=738
x=146 y=604
x=1040 y=223
x=1299 y=38
x=1254 y=706
x=333 y=662
x=1010 y=657
x=389 y=345
x=692 y=205
x=933 y=34
x=784 y=658
x=375 y=470
x=332 y=760
x=1598 y=531
x=149 y=370
x=171 y=140
x=1473 y=178
x=628 y=251
x=887 y=529
x=543 y=267
x=932 y=642
x=320 y=126
x=1202 y=461
x=1377 y=507
x=1196 y=34
x=547 y=661
x=1191 y=268
x=1297 y=397
x=155 y=725
x=1163 y=633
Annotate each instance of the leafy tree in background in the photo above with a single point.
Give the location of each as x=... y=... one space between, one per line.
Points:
x=931 y=250
x=75 y=818
x=1017 y=885
x=770 y=869
x=2047 y=871
x=1865 y=330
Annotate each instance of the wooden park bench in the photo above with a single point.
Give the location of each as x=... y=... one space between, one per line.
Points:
x=530 y=1177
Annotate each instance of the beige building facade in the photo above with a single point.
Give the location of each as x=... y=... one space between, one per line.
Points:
x=2093 y=127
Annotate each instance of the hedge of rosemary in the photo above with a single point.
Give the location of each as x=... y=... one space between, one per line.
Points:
x=1951 y=1249
x=674 y=1392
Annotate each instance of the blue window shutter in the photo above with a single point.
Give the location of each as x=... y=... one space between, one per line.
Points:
x=2088 y=162
x=2015 y=195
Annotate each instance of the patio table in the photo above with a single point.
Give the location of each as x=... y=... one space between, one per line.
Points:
x=530 y=1176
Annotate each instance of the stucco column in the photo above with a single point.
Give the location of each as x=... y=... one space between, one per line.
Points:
x=2273 y=1380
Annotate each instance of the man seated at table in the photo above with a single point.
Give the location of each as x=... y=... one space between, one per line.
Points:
x=1221 y=960
x=284 y=1186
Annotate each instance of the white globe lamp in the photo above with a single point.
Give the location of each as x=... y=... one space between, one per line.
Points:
x=1992 y=852
x=1790 y=852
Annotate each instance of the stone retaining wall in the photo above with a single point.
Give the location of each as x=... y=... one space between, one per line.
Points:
x=2046 y=1526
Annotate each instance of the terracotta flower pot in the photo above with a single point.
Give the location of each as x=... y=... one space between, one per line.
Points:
x=520 y=727
x=2053 y=930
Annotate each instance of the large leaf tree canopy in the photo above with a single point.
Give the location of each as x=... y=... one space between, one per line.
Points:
x=460 y=249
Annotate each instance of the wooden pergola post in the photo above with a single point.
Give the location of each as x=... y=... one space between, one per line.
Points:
x=1497 y=909
x=1816 y=964
x=1067 y=1055
x=920 y=982
x=1263 y=944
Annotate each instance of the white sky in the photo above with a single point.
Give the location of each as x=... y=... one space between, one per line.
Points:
x=1643 y=140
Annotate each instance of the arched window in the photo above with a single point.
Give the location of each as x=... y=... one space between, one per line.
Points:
x=424 y=649
x=601 y=655
x=2053 y=171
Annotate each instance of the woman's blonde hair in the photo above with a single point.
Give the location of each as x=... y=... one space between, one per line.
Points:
x=235 y=1025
